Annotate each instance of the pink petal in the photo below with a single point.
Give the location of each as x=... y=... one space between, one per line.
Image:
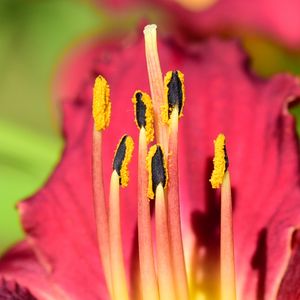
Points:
x=222 y=96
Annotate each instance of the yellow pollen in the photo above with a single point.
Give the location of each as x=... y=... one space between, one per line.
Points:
x=149 y=158
x=149 y=119
x=124 y=172
x=150 y=155
x=101 y=103
x=219 y=162
x=167 y=108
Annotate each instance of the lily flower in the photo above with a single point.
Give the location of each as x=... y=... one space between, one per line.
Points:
x=87 y=238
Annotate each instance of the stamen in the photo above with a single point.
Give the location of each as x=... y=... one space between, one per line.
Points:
x=174 y=222
x=156 y=84
x=122 y=157
x=143 y=111
x=221 y=176
x=147 y=270
x=157 y=173
x=101 y=103
x=174 y=94
x=101 y=113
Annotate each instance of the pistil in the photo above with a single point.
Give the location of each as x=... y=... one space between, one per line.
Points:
x=144 y=120
x=221 y=177
x=157 y=171
x=119 y=177
x=174 y=100
x=156 y=84
x=101 y=114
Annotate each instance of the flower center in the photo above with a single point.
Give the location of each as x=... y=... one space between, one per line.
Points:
x=162 y=274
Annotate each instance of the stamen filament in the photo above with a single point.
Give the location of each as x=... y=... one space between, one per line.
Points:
x=228 y=288
x=164 y=261
x=174 y=211
x=119 y=283
x=156 y=84
x=220 y=177
x=148 y=276
x=100 y=207
x=101 y=115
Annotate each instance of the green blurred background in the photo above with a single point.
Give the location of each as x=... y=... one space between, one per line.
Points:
x=34 y=36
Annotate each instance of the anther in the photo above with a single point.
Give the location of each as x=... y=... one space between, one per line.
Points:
x=101 y=103
x=156 y=165
x=122 y=157
x=220 y=161
x=144 y=113
x=174 y=94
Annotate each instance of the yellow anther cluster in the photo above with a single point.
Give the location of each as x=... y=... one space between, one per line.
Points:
x=124 y=172
x=101 y=103
x=167 y=109
x=149 y=158
x=219 y=162
x=149 y=119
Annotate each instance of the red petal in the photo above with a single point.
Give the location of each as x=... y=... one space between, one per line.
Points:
x=60 y=218
x=222 y=96
x=20 y=266
x=277 y=19
x=263 y=155
x=290 y=287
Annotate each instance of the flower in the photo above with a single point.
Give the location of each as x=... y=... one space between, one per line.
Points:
x=59 y=259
